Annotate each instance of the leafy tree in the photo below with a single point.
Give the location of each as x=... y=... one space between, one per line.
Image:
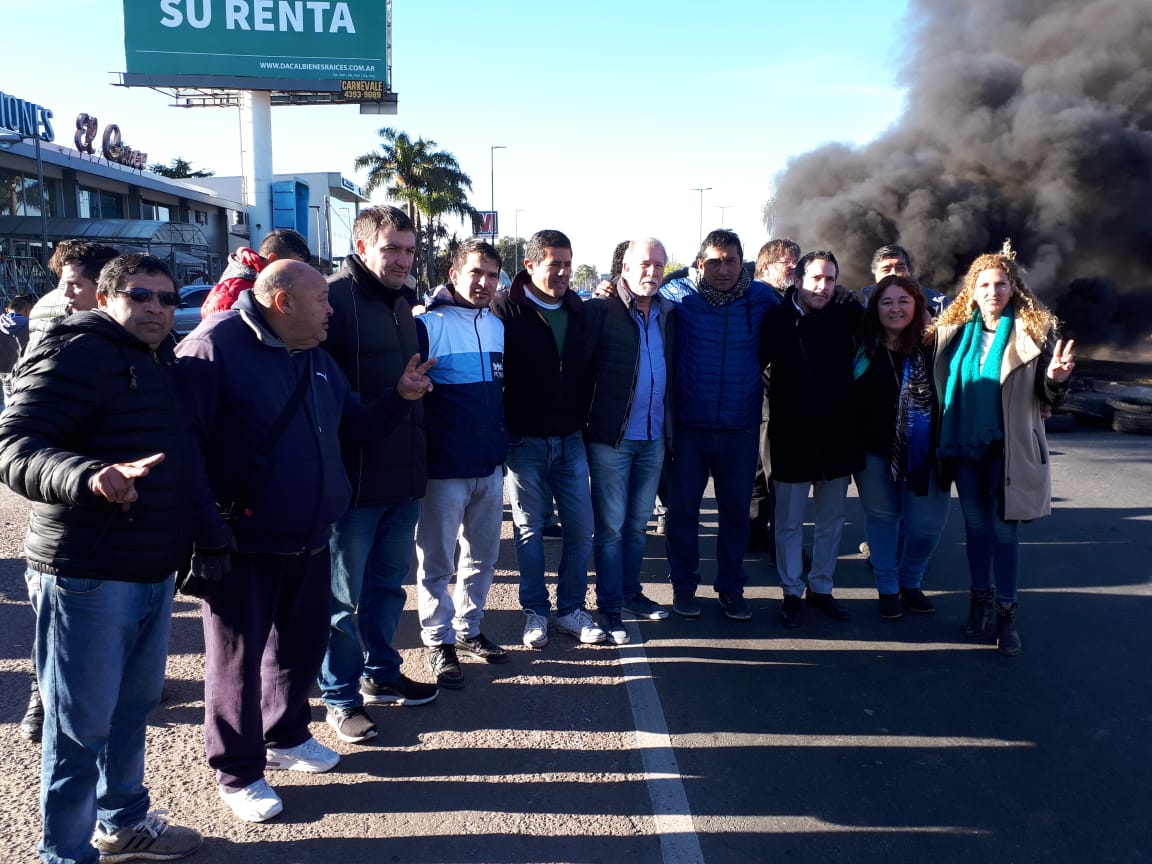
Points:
x=672 y=266
x=427 y=181
x=511 y=251
x=585 y=277
x=179 y=170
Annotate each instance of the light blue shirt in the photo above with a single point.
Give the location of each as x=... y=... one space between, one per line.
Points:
x=646 y=416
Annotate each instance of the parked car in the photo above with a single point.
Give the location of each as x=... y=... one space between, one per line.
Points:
x=187 y=315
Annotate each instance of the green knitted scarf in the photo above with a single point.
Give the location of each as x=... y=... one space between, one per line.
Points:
x=972 y=421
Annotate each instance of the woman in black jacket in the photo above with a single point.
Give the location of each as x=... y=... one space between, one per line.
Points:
x=905 y=505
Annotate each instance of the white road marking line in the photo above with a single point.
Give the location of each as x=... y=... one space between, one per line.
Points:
x=674 y=825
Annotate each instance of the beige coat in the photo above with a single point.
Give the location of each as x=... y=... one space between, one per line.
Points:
x=1027 y=478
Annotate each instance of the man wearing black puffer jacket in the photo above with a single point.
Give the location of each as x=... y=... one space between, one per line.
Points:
x=96 y=437
x=372 y=336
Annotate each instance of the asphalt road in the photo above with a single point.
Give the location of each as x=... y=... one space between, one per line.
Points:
x=724 y=742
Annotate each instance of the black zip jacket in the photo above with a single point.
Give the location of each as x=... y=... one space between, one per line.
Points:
x=545 y=395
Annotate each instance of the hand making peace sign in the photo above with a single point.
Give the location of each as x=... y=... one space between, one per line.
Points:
x=1060 y=369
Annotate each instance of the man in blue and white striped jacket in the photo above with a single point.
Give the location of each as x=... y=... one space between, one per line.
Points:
x=467 y=446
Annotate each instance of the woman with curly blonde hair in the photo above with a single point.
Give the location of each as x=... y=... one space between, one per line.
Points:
x=999 y=367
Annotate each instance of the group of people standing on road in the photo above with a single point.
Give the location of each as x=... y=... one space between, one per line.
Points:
x=315 y=440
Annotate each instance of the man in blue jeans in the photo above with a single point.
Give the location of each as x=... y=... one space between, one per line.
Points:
x=718 y=407
x=96 y=439
x=546 y=404
x=372 y=336
x=630 y=354
x=77 y=264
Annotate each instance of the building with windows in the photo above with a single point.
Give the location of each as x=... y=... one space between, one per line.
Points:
x=98 y=189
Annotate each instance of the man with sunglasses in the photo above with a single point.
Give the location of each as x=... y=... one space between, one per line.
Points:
x=96 y=438
x=76 y=264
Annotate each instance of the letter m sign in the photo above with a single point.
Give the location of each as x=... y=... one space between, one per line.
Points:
x=486 y=223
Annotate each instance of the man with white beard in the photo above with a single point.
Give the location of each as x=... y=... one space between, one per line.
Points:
x=629 y=349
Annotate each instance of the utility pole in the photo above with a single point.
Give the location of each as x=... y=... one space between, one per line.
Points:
x=701 y=190
x=492 y=168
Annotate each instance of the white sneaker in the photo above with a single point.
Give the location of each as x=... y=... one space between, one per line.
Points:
x=256 y=802
x=580 y=624
x=535 y=629
x=311 y=757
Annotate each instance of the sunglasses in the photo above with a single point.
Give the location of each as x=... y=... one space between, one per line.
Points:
x=144 y=295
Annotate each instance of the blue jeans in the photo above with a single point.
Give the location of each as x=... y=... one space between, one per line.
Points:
x=729 y=455
x=891 y=507
x=101 y=648
x=624 y=481
x=992 y=543
x=373 y=551
x=538 y=470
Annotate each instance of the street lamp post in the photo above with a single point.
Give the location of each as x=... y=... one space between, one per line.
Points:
x=701 y=190
x=722 y=208
x=13 y=138
x=516 y=230
x=492 y=167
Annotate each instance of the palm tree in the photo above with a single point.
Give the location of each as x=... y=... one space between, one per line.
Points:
x=427 y=181
x=446 y=196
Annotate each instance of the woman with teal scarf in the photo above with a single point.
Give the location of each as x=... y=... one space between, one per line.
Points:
x=905 y=504
x=999 y=369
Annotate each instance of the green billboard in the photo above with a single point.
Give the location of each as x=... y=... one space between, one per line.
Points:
x=283 y=44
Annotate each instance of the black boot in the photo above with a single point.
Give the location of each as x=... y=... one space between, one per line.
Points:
x=32 y=726
x=979 y=613
x=1007 y=639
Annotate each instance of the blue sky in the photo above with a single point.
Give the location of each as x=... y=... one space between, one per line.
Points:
x=611 y=112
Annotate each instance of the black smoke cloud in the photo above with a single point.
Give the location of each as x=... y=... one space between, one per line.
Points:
x=1028 y=119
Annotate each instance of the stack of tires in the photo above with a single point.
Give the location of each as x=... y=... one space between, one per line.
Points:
x=1131 y=416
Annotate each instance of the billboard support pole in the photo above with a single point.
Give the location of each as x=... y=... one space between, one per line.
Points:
x=256 y=143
